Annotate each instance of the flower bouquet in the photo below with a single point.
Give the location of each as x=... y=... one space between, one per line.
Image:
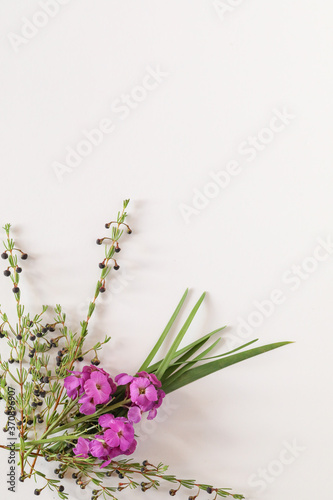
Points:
x=67 y=409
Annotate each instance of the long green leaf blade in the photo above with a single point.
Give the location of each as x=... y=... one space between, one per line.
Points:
x=164 y=334
x=166 y=361
x=213 y=366
x=190 y=363
x=183 y=359
x=183 y=350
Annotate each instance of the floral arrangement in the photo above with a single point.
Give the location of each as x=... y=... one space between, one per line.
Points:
x=84 y=418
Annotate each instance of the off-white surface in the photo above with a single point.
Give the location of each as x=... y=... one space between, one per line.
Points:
x=221 y=81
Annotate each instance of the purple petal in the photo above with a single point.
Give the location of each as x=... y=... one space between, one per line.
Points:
x=152 y=414
x=82 y=448
x=111 y=438
x=124 y=444
x=151 y=393
x=134 y=414
x=154 y=380
x=132 y=448
x=123 y=379
x=105 y=420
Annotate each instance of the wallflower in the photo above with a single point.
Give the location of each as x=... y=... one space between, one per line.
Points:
x=117 y=439
x=98 y=388
x=74 y=383
x=94 y=385
x=144 y=392
x=82 y=448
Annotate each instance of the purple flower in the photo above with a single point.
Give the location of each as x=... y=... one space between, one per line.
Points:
x=119 y=434
x=144 y=392
x=117 y=439
x=98 y=388
x=74 y=383
x=94 y=385
x=99 y=449
x=88 y=407
x=82 y=448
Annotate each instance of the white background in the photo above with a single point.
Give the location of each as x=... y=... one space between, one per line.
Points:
x=225 y=74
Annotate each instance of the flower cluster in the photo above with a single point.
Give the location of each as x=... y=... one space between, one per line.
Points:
x=93 y=385
x=116 y=439
x=145 y=393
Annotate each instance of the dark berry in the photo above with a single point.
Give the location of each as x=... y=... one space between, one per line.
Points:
x=42 y=394
x=19 y=337
x=36 y=392
x=40 y=403
x=116 y=267
x=6 y=272
x=144 y=463
x=32 y=337
x=117 y=249
x=24 y=256
x=33 y=404
x=61 y=488
x=56 y=471
x=61 y=475
x=44 y=329
x=16 y=289
x=39 y=334
x=74 y=475
x=37 y=492
x=11 y=361
x=21 y=479
x=51 y=328
x=102 y=289
x=107 y=226
x=129 y=231
x=30 y=422
x=80 y=358
x=121 y=476
x=19 y=423
x=209 y=490
x=100 y=265
x=19 y=269
x=99 y=242
x=4 y=255
x=2 y=335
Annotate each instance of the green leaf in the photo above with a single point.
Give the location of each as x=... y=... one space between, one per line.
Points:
x=185 y=349
x=166 y=361
x=183 y=359
x=206 y=369
x=190 y=363
x=164 y=334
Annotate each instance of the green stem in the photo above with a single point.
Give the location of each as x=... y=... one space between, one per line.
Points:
x=105 y=409
x=59 y=438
